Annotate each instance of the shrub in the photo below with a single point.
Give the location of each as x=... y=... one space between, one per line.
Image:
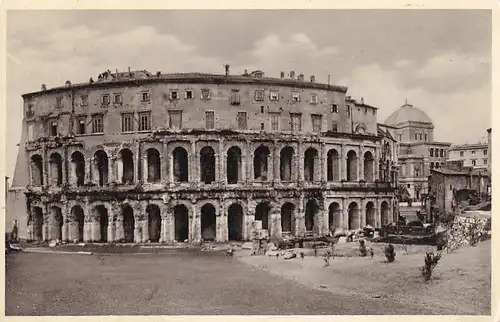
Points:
x=431 y=260
x=390 y=253
x=362 y=248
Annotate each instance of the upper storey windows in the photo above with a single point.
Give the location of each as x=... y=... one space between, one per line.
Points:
x=274 y=96
x=295 y=97
x=235 y=97
x=145 y=96
x=205 y=94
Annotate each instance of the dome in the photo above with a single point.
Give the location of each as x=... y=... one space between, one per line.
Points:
x=407 y=113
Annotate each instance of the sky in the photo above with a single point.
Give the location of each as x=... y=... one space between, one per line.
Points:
x=439 y=60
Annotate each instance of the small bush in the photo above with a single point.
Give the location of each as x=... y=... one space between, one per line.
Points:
x=390 y=253
x=362 y=248
x=431 y=260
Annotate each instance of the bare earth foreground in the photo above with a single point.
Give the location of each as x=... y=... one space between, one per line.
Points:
x=185 y=283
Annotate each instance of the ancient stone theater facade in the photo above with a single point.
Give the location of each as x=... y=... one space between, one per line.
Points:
x=138 y=157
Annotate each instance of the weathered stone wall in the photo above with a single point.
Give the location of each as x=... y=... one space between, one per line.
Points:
x=460 y=232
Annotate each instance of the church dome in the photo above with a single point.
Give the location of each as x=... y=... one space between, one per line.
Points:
x=407 y=113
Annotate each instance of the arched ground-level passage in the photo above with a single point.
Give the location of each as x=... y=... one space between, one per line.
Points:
x=128 y=223
x=126 y=166
x=37 y=220
x=384 y=213
x=207 y=165
x=370 y=214
x=153 y=165
x=235 y=222
x=154 y=223
x=354 y=222
x=233 y=165
x=102 y=213
x=286 y=164
x=36 y=170
x=311 y=160
x=56 y=169
x=78 y=217
x=369 y=167
x=208 y=222
x=332 y=165
x=101 y=167
x=288 y=219
x=181 y=223
x=262 y=214
x=78 y=168
x=352 y=166
x=260 y=163
x=311 y=211
x=334 y=216
x=180 y=165
x=56 y=223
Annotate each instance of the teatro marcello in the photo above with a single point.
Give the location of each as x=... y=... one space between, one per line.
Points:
x=149 y=157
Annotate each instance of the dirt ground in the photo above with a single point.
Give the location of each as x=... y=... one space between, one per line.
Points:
x=461 y=281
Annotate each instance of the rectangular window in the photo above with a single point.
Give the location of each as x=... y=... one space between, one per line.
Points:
x=461 y=153
x=242 y=120
x=97 y=124
x=175 y=120
x=334 y=127
x=316 y=122
x=145 y=121
x=274 y=95
x=59 y=103
x=295 y=97
x=209 y=119
x=485 y=152
x=274 y=122
x=485 y=161
x=314 y=99
x=473 y=152
x=259 y=95
x=205 y=94
x=188 y=95
x=473 y=163
x=235 y=97
x=127 y=122
x=174 y=95
x=420 y=136
x=334 y=108
x=84 y=100
x=296 y=122
x=426 y=137
x=348 y=111
x=81 y=126
x=430 y=150
x=416 y=136
x=117 y=99
x=105 y=99
x=145 y=97
x=53 y=128
x=442 y=152
x=31 y=129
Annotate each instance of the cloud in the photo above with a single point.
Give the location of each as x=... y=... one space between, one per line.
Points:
x=451 y=65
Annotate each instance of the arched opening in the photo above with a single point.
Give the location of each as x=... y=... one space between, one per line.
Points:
x=101 y=167
x=233 y=165
x=262 y=214
x=208 y=222
x=260 y=163
x=180 y=164
x=311 y=211
x=56 y=223
x=235 y=222
x=310 y=164
x=36 y=170
x=181 y=223
x=370 y=214
x=78 y=217
x=354 y=222
x=384 y=213
x=37 y=218
x=287 y=219
x=207 y=165
x=352 y=166
x=368 y=166
x=126 y=163
x=154 y=165
x=334 y=216
x=102 y=214
x=154 y=223
x=332 y=165
x=56 y=169
x=128 y=223
x=78 y=168
x=286 y=164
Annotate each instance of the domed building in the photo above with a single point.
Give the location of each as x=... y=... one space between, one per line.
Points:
x=418 y=152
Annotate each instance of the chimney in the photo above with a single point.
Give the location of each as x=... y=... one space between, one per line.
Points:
x=282 y=74
x=313 y=79
x=301 y=77
x=91 y=80
x=68 y=83
x=362 y=101
x=292 y=74
x=226 y=67
x=44 y=87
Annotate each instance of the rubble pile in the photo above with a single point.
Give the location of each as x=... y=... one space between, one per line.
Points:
x=463 y=226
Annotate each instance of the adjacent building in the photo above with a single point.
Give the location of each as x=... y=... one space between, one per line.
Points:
x=140 y=157
x=473 y=156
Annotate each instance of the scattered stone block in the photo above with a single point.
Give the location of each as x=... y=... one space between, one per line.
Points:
x=247 y=245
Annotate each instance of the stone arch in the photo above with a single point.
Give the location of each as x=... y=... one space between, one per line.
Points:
x=288 y=218
x=352 y=166
x=334 y=216
x=260 y=163
x=369 y=166
x=310 y=216
x=56 y=222
x=262 y=213
x=180 y=164
x=332 y=165
x=126 y=166
x=233 y=165
x=208 y=222
x=286 y=164
x=78 y=221
x=128 y=223
x=207 y=165
x=56 y=169
x=353 y=216
x=181 y=223
x=311 y=164
x=37 y=223
x=101 y=167
x=154 y=222
x=235 y=222
x=370 y=214
x=36 y=170
x=384 y=213
x=153 y=165
x=78 y=168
